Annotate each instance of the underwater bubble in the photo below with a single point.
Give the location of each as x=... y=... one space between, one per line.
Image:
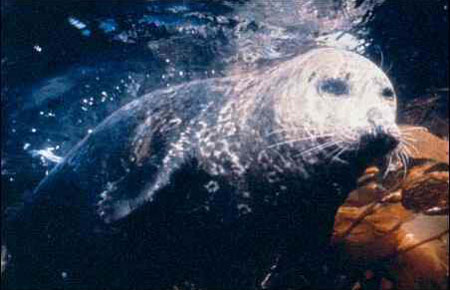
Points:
x=37 y=48
x=76 y=23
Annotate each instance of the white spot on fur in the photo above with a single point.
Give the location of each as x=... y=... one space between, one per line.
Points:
x=244 y=208
x=212 y=186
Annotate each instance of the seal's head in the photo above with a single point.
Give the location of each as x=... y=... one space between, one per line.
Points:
x=338 y=98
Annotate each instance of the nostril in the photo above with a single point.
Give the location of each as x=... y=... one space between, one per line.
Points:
x=379 y=130
x=395 y=141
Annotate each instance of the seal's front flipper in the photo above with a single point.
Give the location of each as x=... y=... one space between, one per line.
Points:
x=114 y=204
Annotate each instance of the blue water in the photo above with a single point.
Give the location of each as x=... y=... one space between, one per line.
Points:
x=66 y=65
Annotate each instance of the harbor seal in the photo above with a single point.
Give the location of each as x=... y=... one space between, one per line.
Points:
x=215 y=183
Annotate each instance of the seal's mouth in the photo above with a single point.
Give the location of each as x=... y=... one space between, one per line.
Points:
x=377 y=144
x=370 y=149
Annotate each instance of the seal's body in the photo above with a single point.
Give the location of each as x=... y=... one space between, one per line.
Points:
x=209 y=182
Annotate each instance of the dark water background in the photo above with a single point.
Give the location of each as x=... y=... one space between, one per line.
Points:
x=66 y=65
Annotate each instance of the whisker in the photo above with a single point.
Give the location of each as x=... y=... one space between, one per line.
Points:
x=408 y=156
x=405 y=164
x=381 y=57
x=404 y=142
x=407 y=150
x=334 y=151
x=319 y=147
x=336 y=157
x=282 y=157
x=415 y=128
x=389 y=69
x=397 y=157
x=302 y=128
x=407 y=139
x=408 y=133
x=282 y=131
x=407 y=143
x=388 y=167
x=299 y=140
x=413 y=148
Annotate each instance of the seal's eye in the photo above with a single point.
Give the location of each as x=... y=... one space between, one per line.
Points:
x=336 y=87
x=387 y=92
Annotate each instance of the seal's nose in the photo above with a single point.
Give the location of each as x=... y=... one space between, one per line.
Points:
x=374 y=115
x=380 y=136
